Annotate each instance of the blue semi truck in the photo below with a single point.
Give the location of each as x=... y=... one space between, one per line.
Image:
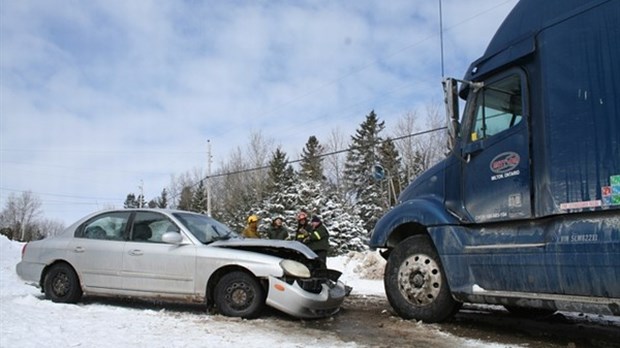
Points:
x=525 y=210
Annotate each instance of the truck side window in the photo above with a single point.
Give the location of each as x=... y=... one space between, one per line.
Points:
x=498 y=107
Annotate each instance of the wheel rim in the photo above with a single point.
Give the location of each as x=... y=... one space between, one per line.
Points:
x=419 y=279
x=239 y=295
x=61 y=284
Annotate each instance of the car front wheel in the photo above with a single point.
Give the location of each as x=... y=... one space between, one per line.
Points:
x=239 y=294
x=415 y=283
x=61 y=284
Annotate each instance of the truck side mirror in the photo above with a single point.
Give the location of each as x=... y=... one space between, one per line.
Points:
x=450 y=89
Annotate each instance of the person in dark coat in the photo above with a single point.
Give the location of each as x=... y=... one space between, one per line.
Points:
x=318 y=239
x=277 y=230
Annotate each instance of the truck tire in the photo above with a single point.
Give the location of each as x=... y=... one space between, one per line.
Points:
x=415 y=283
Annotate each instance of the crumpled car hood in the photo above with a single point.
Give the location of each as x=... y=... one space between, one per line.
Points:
x=280 y=248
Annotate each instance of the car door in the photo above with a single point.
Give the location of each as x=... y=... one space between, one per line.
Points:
x=152 y=266
x=96 y=251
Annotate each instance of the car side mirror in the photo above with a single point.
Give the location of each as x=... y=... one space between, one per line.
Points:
x=172 y=238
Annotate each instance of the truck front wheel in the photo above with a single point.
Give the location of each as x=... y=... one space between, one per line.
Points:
x=415 y=283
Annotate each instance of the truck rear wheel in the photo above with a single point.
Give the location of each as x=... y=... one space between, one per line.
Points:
x=415 y=283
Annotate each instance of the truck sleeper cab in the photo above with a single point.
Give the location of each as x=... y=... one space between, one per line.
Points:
x=525 y=210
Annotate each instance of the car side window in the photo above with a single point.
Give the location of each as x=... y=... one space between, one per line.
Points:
x=498 y=107
x=108 y=226
x=150 y=227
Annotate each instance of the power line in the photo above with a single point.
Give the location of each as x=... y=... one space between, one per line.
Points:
x=58 y=194
x=248 y=170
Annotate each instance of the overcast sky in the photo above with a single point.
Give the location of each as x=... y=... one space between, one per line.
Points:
x=99 y=96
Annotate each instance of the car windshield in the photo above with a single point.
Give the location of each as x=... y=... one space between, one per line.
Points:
x=204 y=228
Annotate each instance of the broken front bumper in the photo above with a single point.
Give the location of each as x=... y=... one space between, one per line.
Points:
x=323 y=301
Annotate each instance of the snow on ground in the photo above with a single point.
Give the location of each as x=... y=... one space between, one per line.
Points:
x=27 y=320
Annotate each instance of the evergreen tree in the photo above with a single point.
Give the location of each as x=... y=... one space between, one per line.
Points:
x=199 y=199
x=362 y=156
x=311 y=161
x=281 y=194
x=140 y=201
x=130 y=201
x=391 y=162
x=311 y=184
x=346 y=230
x=185 y=200
x=162 y=200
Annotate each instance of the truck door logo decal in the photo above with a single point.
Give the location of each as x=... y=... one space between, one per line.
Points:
x=505 y=162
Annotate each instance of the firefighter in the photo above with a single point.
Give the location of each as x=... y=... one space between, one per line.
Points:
x=314 y=235
x=251 y=230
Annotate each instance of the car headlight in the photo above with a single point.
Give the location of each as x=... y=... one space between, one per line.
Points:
x=295 y=269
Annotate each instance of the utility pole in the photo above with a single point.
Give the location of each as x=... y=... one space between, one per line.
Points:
x=208 y=177
x=441 y=37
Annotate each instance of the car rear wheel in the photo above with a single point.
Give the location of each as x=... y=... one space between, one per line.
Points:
x=415 y=283
x=239 y=294
x=61 y=284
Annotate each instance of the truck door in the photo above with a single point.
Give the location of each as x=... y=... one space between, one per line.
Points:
x=496 y=183
x=496 y=172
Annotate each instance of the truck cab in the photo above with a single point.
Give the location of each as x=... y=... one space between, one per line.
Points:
x=525 y=209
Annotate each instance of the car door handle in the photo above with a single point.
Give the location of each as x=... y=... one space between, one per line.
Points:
x=135 y=252
x=78 y=250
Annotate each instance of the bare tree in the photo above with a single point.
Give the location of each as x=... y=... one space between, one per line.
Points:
x=334 y=164
x=50 y=227
x=180 y=183
x=409 y=146
x=436 y=144
x=258 y=154
x=20 y=214
x=420 y=152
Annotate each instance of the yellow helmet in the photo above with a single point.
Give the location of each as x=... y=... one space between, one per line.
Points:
x=253 y=218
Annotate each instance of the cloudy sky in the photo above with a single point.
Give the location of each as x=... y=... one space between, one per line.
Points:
x=97 y=97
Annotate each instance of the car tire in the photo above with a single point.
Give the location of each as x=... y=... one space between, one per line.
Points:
x=61 y=284
x=415 y=283
x=525 y=312
x=239 y=294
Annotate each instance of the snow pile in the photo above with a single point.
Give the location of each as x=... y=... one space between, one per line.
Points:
x=369 y=265
x=361 y=270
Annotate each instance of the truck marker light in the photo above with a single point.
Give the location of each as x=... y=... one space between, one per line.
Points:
x=279 y=287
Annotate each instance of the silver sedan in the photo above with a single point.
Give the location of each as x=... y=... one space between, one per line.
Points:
x=180 y=256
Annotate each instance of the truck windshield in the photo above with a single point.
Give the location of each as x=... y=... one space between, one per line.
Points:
x=498 y=106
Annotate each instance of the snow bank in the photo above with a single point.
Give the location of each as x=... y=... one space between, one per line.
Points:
x=362 y=271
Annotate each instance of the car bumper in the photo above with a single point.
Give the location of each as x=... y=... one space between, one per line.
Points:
x=30 y=272
x=295 y=301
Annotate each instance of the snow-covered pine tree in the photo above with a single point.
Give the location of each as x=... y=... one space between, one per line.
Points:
x=199 y=199
x=185 y=199
x=130 y=201
x=311 y=160
x=346 y=231
x=281 y=193
x=362 y=156
x=162 y=200
x=311 y=179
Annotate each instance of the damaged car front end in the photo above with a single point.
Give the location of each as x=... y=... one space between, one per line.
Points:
x=306 y=289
